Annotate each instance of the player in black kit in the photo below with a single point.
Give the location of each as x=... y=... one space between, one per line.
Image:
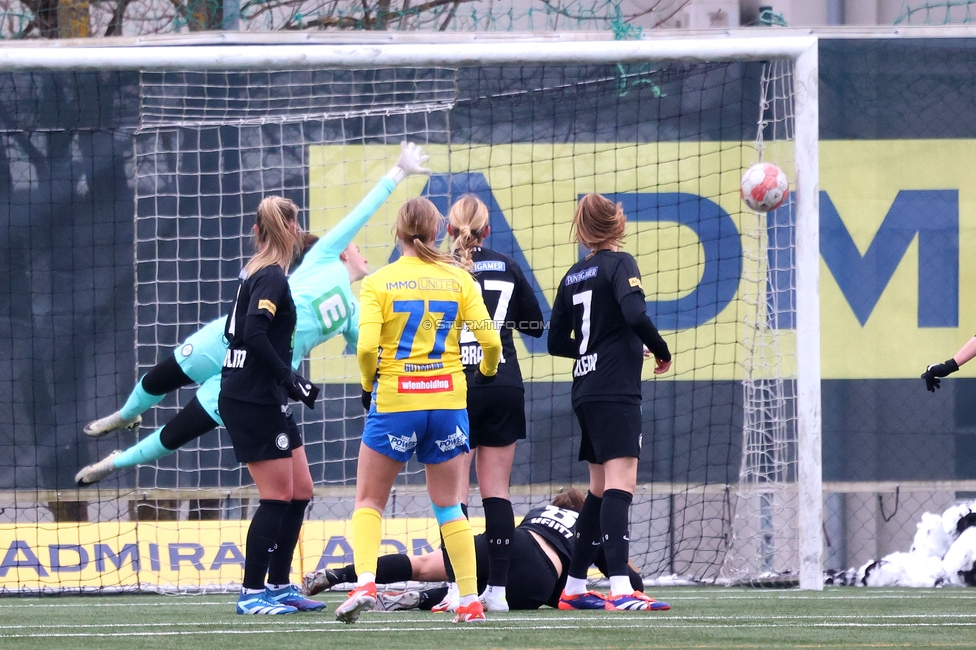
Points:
x=543 y=544
x=600 y=302
x=256 y=382
x=496 y=411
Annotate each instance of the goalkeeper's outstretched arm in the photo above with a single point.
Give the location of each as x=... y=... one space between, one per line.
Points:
x=328 y=248
x=935 y=371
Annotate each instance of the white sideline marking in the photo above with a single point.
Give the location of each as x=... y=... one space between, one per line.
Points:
x=339 y=628
x=713 y=595
x=716 y=595
x=45 y=605
x=424 y=624
x=736 y=620
x=856 y=593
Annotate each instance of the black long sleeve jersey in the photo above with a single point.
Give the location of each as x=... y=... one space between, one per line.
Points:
x=599 y=318
x=260 y=332
x=512 y=305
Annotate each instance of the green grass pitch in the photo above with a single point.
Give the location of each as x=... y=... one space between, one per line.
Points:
x=699 y=618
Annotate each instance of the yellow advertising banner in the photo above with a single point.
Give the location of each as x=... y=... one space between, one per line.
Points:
x=184 y=554
x=897 y=220
x=904 y=297
x=535 y=188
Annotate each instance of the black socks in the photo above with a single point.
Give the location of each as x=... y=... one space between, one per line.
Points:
x=588 y=537
x=262 y=536
x=499 y=529
x=279 y=567
x=615 y=522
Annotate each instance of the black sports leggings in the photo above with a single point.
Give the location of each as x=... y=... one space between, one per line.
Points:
x=189 y=424
x=165 y=377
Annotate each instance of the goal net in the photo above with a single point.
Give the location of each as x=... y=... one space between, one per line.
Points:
x=665 y=129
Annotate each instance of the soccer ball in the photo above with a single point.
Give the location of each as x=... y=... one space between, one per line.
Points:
x=764 y=187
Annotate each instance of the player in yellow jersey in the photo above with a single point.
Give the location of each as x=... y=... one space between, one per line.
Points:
x=414 y=388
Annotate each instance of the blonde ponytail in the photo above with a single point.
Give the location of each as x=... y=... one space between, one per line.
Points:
x=469 y=219
x=278 y=241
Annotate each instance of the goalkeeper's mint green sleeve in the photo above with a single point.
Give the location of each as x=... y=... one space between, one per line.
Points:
x=320 y=287
x=328 y=248
x=351 y=333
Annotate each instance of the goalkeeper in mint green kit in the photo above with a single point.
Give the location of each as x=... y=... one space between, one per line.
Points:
x=326 y=306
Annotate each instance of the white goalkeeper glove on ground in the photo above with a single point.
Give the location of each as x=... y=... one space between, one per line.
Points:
x=412 y=159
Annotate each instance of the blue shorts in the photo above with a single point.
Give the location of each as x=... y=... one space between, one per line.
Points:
x=437 y=436
x=201 y=355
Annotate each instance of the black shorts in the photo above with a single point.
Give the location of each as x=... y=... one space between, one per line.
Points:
x=259 y=431
x=610 y=430
x=532 y=579
x=496 y=416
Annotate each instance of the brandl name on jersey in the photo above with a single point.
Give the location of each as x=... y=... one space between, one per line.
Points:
x=235 y=358
x=585 y=364
x=473 y=353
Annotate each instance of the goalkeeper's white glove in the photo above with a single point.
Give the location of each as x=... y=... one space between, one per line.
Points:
x=412 y=159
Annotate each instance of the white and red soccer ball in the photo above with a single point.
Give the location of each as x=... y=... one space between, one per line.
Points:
x=764 y=187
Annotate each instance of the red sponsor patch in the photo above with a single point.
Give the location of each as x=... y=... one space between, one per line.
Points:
x=436 y=384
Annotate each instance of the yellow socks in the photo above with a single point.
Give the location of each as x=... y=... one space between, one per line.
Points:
x=367 y=531
x=459 y=542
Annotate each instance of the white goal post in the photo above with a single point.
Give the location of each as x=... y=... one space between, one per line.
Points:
x=801 y=51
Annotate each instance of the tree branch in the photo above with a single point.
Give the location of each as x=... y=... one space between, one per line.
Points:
x=673 y=13
x=118 y=14
x=627 y=17
x=450 y=16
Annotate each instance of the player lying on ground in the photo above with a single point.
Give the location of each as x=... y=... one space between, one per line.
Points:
x=933 y=373
x=541 y=547
x=326 y=307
